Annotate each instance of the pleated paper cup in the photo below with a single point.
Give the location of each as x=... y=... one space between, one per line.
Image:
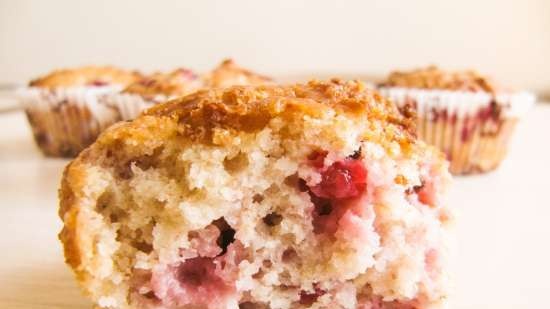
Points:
x=64 y=121
x=473 y=129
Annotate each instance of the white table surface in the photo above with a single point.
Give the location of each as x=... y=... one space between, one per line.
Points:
x=502 y=227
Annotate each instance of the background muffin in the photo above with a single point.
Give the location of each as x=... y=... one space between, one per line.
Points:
x=152 y=89
x=467 y=115
x=228 y=73
x=159 y=87
x=66 y=108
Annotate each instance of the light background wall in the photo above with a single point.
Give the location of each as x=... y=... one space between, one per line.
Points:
x=507 y=39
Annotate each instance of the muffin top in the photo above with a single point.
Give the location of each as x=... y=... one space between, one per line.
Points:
x=176 y=83
x=87 y=76
x=433 y=77
x=228 y=73
x=250 y=108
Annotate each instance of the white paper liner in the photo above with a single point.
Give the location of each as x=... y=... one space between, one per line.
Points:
x=66 y=120
x=462 y=124
x=461 y=103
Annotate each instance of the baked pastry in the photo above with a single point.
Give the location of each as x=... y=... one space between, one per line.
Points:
x=160 y=87
x=153 y=89
x=466 y=115
x=313 y=195
x=66 y=108
x=228 y=73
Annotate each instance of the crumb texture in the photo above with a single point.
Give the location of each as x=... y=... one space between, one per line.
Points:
x=257 y=197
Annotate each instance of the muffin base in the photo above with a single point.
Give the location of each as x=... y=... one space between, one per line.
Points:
x=470 y=148
x=472 y=129
x=65 y=121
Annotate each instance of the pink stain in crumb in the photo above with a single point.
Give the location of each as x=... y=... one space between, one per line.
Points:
x=431 y=260
x=207 y=280
x=204 y=242
x=353 y=227
x=427 y=193
x=192 y=282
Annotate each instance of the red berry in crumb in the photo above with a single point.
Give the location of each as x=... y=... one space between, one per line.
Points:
x=343 y=179
x=309 y=298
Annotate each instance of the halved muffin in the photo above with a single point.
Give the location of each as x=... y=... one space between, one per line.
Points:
x=313 y=195
x=66 y=108
x=465 y=114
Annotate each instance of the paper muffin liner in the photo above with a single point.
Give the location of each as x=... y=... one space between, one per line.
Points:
x=472 y=129
x=131 y=105
x=64 y=121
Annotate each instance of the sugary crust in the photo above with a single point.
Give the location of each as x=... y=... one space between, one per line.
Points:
x=86 y=76
x=176 y=83
x=433 y=77
x=248 y=108
x=228 y=73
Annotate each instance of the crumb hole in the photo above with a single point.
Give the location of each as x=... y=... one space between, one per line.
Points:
x=143 y=246
x=323 y=207
x=236 y=164
x=292 y=180
x=257 y=198
x=273 y=219
x=104 y=200
x=113 y=218
x=289 y=255
x=356 y=154
x=227 y=234
x=150 y=295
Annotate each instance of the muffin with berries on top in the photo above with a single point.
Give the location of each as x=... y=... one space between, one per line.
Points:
x=153 y=89
x=67 y=110
x=160 y=87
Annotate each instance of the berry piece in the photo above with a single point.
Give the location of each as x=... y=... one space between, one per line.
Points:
x=343 y=179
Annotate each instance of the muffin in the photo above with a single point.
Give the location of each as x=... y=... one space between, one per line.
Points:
x=312 y=195
x=228 y=73
x=66 y=108
x=160 y=87
x=153 y=89
x=466 y=115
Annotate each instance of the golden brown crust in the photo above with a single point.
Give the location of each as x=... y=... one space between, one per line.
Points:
x=68 y=214
x=434 y=78
x=176 y=83
x=248 y=108
x=228 y=73
x=86 y=76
